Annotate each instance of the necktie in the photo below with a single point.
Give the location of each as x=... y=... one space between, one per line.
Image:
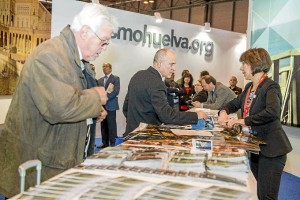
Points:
x=213 y=98
x=105 y=79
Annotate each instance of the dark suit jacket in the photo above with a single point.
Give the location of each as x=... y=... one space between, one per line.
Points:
x=112 y=101
x=200 y=96
x=146 y=101
x=237 y=90
x=264 y=117
x=173 y=89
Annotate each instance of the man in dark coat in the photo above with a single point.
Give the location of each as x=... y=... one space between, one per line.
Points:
x=146 y=99
x=232 y=82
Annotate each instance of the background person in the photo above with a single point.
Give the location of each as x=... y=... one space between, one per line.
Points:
x=203 y=73
x=200 y=94
x=146 y=98
x=188 y=91
x=232 y=82
x=47 y=117
x=260 y=103
x=89 y=74
x=218 y=94
x=109 y=124
x=179 y=81
x=173 y=92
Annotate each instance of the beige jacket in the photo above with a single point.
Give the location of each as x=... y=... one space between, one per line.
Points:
x=47 y=116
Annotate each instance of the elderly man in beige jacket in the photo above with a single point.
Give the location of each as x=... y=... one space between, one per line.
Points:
x=47 y=118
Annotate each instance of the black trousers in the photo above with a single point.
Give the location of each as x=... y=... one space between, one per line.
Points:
x=267 y=172
x=109 y=129
x=91 y=147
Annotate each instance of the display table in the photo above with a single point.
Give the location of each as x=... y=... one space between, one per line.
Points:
x=155 y=163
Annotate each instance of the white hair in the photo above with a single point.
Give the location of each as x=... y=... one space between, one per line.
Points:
x=93 y=15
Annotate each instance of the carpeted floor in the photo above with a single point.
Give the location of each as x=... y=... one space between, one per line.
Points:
x=289 y=187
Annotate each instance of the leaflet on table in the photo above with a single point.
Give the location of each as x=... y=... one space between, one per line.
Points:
x=90 y=185
x=151 y=159
x=180 y=132
x=202 y=145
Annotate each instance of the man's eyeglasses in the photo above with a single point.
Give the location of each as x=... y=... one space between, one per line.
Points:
x=102 y=42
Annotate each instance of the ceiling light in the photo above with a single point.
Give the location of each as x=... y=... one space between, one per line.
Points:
x=148 y=1
x=158 y=17
x=207 y=27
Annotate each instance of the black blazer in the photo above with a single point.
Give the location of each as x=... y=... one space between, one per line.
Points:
x=173 y=88
x=146 y=101
x=200 y=96
x=264 y=117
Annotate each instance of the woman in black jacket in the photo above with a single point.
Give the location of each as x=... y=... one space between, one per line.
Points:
x=260 y=104
x=188 y=91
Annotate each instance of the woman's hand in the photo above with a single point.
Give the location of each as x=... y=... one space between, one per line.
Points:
x=223 y=118
x=235 y=121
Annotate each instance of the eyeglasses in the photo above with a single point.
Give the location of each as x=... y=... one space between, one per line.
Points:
x=102 y=42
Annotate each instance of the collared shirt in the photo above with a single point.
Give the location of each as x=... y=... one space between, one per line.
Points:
x=162 y=78
x=108 y=75
x=80 y=56
x=213 y=90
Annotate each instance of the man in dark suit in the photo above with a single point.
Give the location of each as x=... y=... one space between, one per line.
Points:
x=218 y=94
x=146 y=99
x=111 y=84
x=232 y=82
x=89 y=73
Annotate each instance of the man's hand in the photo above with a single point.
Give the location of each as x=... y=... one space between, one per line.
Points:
x=102 y=115
x=102 y=93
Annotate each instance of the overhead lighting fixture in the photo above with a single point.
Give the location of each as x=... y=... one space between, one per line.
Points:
x=207 y=27
x=148 y=1
x=158 y=18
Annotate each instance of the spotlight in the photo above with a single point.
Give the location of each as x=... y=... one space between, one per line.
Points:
x=158 y=17
x=148 y=1
x=207 y=27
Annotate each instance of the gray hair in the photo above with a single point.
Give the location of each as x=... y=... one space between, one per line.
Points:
x=161 y=54
x=93 y=15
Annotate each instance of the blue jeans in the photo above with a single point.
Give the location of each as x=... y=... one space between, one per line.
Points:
x=267 y=172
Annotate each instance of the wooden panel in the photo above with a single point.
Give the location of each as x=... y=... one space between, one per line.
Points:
x=241 y=16
x=222 y=16
x=181 y=15
x=198 y=15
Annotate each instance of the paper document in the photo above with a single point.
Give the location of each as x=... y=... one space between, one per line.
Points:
x=192 y=132
x=110 y=88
